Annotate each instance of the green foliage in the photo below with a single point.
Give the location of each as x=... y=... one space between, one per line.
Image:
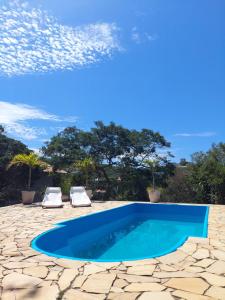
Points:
x=30 y=160
x=207 y=174
x=112 y=150
x=179 y=187
x=86 y=166
x=10 y=180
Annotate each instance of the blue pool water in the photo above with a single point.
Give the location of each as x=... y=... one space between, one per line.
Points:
x=130 y=232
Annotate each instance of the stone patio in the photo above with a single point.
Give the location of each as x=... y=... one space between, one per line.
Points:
x=195 y=271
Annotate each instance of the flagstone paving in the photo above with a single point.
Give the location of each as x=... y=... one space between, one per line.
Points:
x=196 y=271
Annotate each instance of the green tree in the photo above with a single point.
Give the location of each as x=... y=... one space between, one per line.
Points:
x=65 y=148
x=86 y=167
x=207 y=174
x=114 y=149
x=30 y=160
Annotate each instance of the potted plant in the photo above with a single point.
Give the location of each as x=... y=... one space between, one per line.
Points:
x=153 y=193
x=86 y=167
x=31 y=161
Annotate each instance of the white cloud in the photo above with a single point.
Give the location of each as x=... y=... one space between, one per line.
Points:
x=31 y=41
x=14 y=118
x=141 y=37
x=198 y=134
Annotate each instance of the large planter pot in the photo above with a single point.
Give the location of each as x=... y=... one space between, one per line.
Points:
x=28 y=197
x=154 y=196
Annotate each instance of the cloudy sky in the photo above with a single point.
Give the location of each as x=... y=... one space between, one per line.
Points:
x=141 y=63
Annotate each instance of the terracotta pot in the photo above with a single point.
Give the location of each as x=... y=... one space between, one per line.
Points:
x=154 y=196
x=28 y=197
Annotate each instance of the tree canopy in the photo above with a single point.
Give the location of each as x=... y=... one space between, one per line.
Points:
x=115 y=151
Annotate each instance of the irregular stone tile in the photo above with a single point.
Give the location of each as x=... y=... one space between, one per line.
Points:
x=39 y=271
x=141 y=270
x=99 y=283
x=188 y=248
x=213 y=279
x=120 y=283
x=66 y=278
x=122 y=296
x=92 y=269
x=53 y=275
x=144 y=287
x=46 y=293
x=204 y=263
x=201 y=253
x=115 y=289
x=167 y=268
x=173 y=258
x=78 y=295
x=108 y=265
x=136 y=278
x=19 y=281
x=216 y=292
x=218 y=268
x=193 y=285
x=155 y=296
x=174 y=274
x=18 y=265
x=69 y=264
x=150 y=261
x=218 y=254
x=198 y=240
x=79 y=280
x=190 y=296
x=193 y=269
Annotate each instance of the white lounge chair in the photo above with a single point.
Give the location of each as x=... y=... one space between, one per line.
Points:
x=79 y=196
x=52 y=197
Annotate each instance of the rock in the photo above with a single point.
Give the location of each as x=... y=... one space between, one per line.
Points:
x=144 y=287
x=93 y=269
x=141 y=270
x=39 y=271
x=216 y=293
x=218 y=268
x=156 y=296
x=99 y=283
x=66 y=278
x=77 y=295
x=19 y=281
x=201 y=253
x=190 y=296
x=213 y=279
x=193 y=285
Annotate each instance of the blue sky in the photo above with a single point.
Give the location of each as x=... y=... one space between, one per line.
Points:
x=140 y=63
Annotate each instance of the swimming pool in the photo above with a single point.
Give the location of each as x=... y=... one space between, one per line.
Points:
x=130 y=232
